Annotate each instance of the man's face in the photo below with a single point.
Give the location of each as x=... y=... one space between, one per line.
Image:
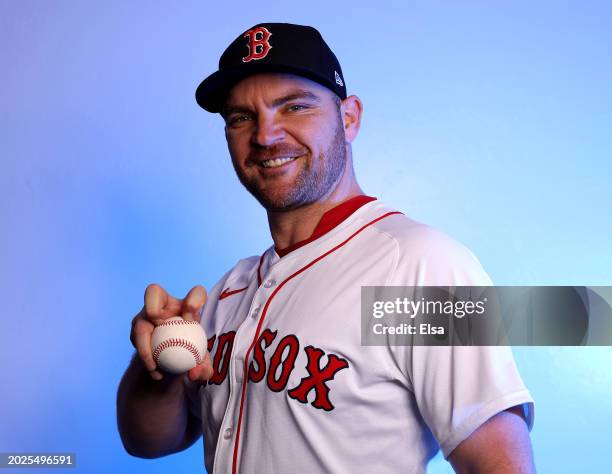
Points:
x=286 y=139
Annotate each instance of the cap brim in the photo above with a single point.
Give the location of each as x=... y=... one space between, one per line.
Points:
x=212 y=91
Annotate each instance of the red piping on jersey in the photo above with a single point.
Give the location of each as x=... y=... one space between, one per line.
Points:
x=259 y=270
x=261 y=320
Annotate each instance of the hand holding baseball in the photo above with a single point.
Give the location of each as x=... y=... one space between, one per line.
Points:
x=158 y=309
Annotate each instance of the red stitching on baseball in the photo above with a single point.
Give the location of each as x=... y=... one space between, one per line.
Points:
x=176 y=322
x=177 y=343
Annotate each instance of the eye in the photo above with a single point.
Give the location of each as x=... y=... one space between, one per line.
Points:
x=237 y=119
x=297 y=107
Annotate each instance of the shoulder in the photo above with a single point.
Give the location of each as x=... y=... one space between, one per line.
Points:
x=417 y=240
x=426 y=255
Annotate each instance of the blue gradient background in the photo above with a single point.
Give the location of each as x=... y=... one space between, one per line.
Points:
x=489 y=120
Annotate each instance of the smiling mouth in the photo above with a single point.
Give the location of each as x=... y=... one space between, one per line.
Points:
x=275 y=163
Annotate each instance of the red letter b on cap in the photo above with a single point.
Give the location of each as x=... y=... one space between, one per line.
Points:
x=258 y=44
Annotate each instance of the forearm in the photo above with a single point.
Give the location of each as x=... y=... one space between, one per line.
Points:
x=500 y=446
x=153 y=416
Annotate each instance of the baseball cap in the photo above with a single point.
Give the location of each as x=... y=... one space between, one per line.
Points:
x=272 y=47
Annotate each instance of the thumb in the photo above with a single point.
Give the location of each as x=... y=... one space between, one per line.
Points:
x=202 y=372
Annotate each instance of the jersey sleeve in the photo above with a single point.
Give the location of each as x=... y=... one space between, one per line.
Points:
x=456 y=388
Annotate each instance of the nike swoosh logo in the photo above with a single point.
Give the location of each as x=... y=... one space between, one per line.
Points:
x=227 y=292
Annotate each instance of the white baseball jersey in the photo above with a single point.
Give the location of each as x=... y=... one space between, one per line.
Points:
x=295 y=391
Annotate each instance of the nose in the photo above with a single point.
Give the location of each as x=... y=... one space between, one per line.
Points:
x=268 y=131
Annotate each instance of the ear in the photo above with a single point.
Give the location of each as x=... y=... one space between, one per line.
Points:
x=351 y=109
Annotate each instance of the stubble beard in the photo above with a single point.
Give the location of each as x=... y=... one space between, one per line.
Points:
x=310 y=185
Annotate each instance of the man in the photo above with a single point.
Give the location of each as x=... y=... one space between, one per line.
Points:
x=289 y=387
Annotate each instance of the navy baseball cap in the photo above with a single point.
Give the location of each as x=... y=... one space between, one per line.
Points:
x=272 y=47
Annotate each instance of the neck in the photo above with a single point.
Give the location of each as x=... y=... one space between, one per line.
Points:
x=289 y=227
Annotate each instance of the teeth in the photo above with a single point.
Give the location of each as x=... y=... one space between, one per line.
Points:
x=276 y=162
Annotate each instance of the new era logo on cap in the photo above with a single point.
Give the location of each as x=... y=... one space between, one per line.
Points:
x=272 y=47
x=338 y=79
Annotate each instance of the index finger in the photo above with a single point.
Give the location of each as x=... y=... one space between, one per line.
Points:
x=159 y=304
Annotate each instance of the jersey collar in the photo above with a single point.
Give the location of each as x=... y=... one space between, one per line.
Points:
x=329 y=220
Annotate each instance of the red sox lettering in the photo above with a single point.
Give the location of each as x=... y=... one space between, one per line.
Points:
x=224 y=351
x=278 y=384
x=284 y=356
x=257 y=368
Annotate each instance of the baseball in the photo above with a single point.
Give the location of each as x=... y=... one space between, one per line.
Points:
x=178 y=345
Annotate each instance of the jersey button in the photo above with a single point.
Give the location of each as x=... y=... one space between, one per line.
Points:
x=255 y=312
x=227 y=434
x=270 y=283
